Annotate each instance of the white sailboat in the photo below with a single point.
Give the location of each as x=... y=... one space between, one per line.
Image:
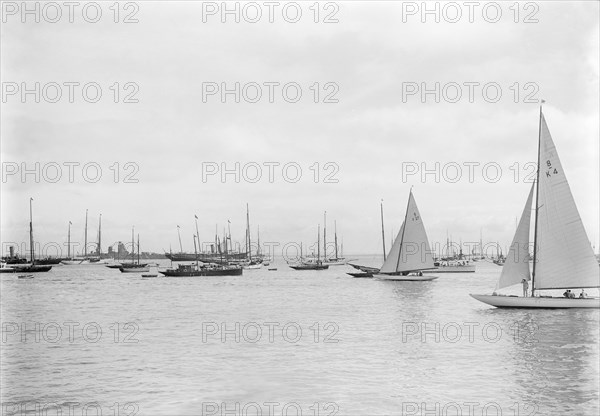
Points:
x=410 y=254
x=562 y=255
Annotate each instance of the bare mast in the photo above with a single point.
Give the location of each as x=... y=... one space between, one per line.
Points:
x=382 y=231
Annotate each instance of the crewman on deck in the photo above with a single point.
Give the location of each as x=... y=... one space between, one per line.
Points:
x=582 y=295
x=525 y=287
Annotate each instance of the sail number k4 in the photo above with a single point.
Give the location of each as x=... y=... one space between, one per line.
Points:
x=551 y=171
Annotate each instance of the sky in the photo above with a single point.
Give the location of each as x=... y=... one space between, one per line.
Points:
x=151 y=150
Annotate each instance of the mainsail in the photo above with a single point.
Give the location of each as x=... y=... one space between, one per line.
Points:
x=564 y=256
x=411 y=251
x=516 y=266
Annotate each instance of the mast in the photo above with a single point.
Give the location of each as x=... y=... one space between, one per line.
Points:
x=382 y=231
x=100 y=236
x=248 y=232
x=69 y=241
x=197 y=236
x=258 y=240
x=537 y=192
x=335 y=238
x=132 y=247
x=31 y=230
x=228 y=238
x=325 y=236
x=85 y=235
x=196 y=251
x=403 y=230
x=319 y=244
x=138 y=247
x=179 y=235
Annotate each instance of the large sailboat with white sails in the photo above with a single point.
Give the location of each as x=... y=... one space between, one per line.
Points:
x=563 y=257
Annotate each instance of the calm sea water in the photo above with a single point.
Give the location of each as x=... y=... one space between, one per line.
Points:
x=90 y=339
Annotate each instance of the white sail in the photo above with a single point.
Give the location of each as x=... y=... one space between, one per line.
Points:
x=516 y=266
x=411 y=251
x=389 y=266
x=564 y=256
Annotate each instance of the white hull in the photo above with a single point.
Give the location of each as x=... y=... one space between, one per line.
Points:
x=252 y=267
x=335 y=263
x=407 y=278
x=452 y=269
x=537 y=302
x=73 y=262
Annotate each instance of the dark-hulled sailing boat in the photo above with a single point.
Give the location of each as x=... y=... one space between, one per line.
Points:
x=33 y=267
x=197 y=269
x=134 y=267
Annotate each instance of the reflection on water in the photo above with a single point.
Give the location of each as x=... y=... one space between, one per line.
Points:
x=356 y=346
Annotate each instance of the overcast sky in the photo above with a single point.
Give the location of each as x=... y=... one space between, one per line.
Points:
x=372 y=57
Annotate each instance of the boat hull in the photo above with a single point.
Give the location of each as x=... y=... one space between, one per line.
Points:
x=310 y=267
x=237 y=271
x=359 y=275
x=74 y=262
x=537 y=302
x=48 y=261
x=26 y=268
x=407 y=278
x=365 y=268
x=452 y=269
x=134 y=269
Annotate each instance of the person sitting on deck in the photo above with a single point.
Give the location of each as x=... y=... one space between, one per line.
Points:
x=571 y=295
x=582 y=295
x=420 y=273
x=566 y=294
